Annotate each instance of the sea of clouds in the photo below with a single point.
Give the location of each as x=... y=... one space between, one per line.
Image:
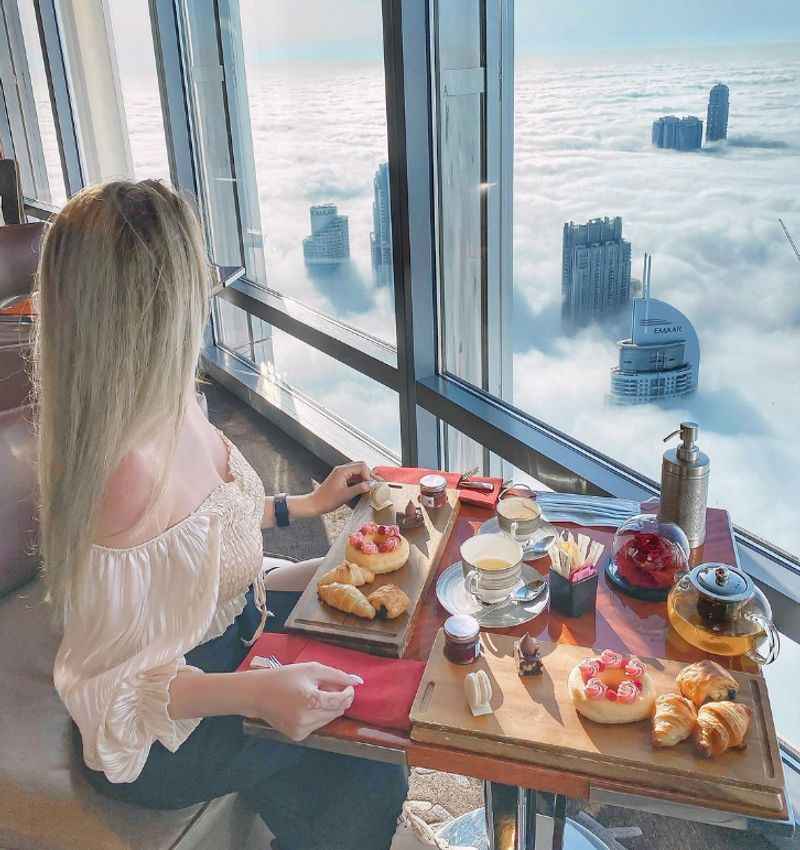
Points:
x=582 y=150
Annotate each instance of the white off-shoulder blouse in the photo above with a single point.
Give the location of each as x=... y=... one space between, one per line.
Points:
x=144 y=608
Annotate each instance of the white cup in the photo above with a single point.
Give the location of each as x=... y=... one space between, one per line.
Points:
x=487 y=582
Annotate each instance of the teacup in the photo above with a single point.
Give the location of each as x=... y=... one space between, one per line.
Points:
x=493 y=564
x=519 y=516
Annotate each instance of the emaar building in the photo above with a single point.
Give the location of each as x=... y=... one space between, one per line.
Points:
x=661 y=360
x=329 y=242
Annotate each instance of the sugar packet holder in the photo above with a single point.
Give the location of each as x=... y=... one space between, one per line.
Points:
x=573 y=573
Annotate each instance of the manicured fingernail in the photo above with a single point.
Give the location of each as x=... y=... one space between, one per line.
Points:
x=357 y=680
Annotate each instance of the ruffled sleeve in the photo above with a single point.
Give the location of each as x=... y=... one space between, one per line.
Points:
x=141 y=610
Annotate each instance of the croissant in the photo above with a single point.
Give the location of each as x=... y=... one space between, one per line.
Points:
x=674 y=719
x=706 y=681
x=346 y=598
x=348 y=573
x=388 y=601
x=721 y=726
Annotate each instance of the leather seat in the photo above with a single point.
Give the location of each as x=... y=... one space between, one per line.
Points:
x=45 y=802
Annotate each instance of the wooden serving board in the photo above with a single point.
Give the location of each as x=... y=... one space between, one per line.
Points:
x=382 y=637
x=534 y=720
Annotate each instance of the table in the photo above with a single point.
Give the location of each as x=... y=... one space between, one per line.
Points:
x=527 y=793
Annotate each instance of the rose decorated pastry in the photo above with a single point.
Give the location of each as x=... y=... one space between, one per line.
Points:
x=612 y=688
x=378 y=548
x=647 y=559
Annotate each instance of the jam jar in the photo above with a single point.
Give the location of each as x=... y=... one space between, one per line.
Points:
x=462 y=639
x=433 y=491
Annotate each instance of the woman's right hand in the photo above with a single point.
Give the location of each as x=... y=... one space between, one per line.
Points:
x=300 y=698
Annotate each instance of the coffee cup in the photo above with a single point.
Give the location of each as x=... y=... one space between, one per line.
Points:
x=493 y=566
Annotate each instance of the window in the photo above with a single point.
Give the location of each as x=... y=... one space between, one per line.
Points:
x=35 y=142
x=652 y=282
x=138 y=78
x=306 y=105
x=349 y=411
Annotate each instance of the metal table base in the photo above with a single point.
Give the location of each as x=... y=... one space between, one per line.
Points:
x=520 y=819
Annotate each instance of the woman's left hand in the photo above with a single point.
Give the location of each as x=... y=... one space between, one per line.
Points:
x=345 y=482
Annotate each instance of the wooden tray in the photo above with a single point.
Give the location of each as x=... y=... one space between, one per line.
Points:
x=382 y=637
x=534 y=720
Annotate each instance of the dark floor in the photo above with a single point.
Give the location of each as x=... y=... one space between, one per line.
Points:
x=284 y=466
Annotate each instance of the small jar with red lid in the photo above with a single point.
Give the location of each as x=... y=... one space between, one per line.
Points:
x=462 y=639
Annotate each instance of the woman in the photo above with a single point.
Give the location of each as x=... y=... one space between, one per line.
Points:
x=151 y=540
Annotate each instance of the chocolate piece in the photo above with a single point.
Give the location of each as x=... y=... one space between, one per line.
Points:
x=411 y=517
x=528 y=657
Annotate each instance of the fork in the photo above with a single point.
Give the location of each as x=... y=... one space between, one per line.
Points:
x=270 y=662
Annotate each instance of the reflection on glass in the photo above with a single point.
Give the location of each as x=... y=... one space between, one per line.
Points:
x=316 y=93
x=366 y=410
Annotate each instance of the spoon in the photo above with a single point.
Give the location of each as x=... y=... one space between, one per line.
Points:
x=529 y=592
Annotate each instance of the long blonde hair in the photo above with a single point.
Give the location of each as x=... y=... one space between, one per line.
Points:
x=123 y=296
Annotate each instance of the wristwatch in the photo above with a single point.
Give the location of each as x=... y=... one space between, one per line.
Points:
x=281 y=510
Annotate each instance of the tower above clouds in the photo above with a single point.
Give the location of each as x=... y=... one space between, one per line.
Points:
x=717 y=118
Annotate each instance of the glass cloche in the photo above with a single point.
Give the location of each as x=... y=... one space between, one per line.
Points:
x=647 y=555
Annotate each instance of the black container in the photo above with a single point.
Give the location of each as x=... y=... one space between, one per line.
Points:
x=572 y=598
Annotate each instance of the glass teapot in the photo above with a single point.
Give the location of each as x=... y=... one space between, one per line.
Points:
x=719 y=609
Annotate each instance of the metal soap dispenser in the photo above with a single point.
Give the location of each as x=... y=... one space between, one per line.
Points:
x=684 y=485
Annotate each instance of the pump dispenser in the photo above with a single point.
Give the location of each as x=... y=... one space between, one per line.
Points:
x=684 y=485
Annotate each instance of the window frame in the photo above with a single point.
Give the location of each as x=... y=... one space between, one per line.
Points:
x=427 y=396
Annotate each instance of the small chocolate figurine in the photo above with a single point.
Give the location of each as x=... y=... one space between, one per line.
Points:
x=411 y=517
x=529 y=660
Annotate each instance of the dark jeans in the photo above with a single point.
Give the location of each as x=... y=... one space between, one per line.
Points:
x=309 y=799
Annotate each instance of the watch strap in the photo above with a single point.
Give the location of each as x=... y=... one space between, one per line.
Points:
x=281 y=510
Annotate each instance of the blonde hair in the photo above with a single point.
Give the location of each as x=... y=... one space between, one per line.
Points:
x=123 y=297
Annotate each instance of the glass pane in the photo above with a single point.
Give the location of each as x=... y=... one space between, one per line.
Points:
x=587 y=334
x=44 y=112
x=133 y=41
x=315 y=91
x=358 y=413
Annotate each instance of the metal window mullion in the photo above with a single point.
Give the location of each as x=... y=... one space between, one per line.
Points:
x=172 y=87
x=60 y=98
x=23 y=141
x=406 y=40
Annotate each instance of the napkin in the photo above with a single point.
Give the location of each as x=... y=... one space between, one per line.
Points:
x=390 y=684
x=412 y=475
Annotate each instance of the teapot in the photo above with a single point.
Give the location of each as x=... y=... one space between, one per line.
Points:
x=719 y=609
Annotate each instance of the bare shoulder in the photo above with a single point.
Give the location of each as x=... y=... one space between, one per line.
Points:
x=125 y=500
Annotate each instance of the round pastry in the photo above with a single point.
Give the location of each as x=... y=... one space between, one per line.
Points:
x=379 y=548
x=612 y=688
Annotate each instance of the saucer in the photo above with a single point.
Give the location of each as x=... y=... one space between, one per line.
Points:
x=536 y=546
x=454 y=598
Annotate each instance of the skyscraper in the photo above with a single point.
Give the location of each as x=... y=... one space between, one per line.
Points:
x=661 y=359
x=329 y=242
x=595 y=272
x=717 y=118
x=380 y=239
x=680 y=134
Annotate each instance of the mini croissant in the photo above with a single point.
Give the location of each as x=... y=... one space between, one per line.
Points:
x=348 y=573
x=389 y=601
x=706 y=681
x=674 y=719
x=346 y=598
x=721 y=726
